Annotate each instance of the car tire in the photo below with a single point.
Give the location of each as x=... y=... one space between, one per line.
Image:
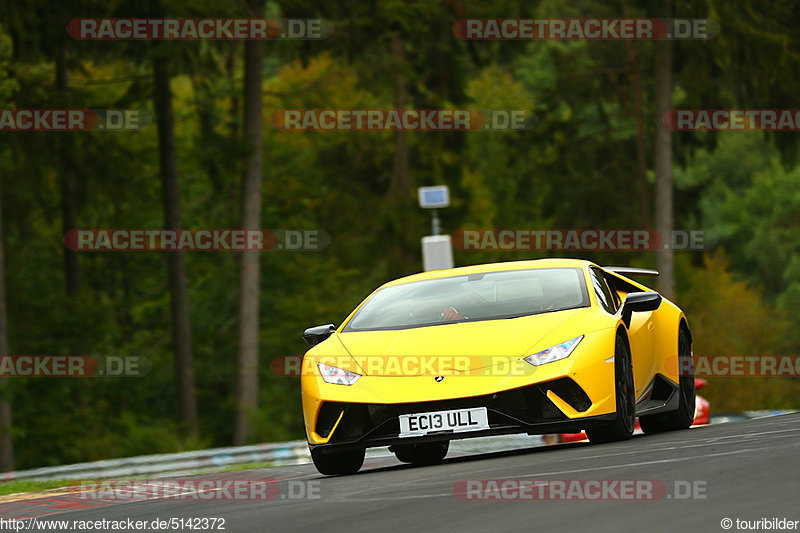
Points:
x=428 y=453
x=622 y=426
x=683 y=417
x=338 y=463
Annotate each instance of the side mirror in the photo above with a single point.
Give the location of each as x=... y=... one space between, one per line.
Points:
x=317 y=334
x=638 y=302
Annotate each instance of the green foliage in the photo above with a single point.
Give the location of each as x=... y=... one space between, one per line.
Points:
x=729 y=317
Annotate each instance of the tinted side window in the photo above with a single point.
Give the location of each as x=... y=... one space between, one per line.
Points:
x=604 y=295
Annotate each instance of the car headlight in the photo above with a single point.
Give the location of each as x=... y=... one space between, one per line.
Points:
x=555 y=353
x=337 y=376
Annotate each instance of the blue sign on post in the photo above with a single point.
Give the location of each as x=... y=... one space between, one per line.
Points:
x=434 y=197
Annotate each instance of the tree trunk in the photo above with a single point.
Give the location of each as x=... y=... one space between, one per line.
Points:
x=399 y=187
x=642 y=187
x=663 y=167
x=6 y=439
x=179 y=300
x=250 y=274
x=399 y=210
x=69 y=217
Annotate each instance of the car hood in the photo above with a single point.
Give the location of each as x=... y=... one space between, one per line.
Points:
x=459 y=346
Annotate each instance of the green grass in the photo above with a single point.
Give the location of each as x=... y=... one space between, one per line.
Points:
x=243 y=466
x=13 y=487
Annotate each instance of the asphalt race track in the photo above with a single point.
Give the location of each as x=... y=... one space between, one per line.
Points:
x=747 y=470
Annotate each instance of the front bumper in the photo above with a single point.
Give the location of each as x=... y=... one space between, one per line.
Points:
x=564 y=396
x=523 y=410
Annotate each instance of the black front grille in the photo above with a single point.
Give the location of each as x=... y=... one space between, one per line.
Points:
x=517 y=407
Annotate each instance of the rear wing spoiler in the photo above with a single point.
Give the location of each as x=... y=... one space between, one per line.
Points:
x=632 y=271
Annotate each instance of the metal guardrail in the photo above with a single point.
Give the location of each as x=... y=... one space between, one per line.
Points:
x=171 y=464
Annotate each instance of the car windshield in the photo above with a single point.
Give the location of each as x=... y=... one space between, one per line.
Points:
x=483 y=296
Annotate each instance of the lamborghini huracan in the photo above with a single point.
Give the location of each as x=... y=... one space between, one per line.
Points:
x=541 y=346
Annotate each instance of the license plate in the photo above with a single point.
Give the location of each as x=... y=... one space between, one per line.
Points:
x=457 y=420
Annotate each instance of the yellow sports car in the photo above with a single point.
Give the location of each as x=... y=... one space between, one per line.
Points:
x=543 y=346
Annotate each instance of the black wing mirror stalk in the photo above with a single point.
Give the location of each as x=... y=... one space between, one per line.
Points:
x=639 y=302
x=317 y=334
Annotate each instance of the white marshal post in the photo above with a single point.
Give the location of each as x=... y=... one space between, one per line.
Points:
x=437 y=250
